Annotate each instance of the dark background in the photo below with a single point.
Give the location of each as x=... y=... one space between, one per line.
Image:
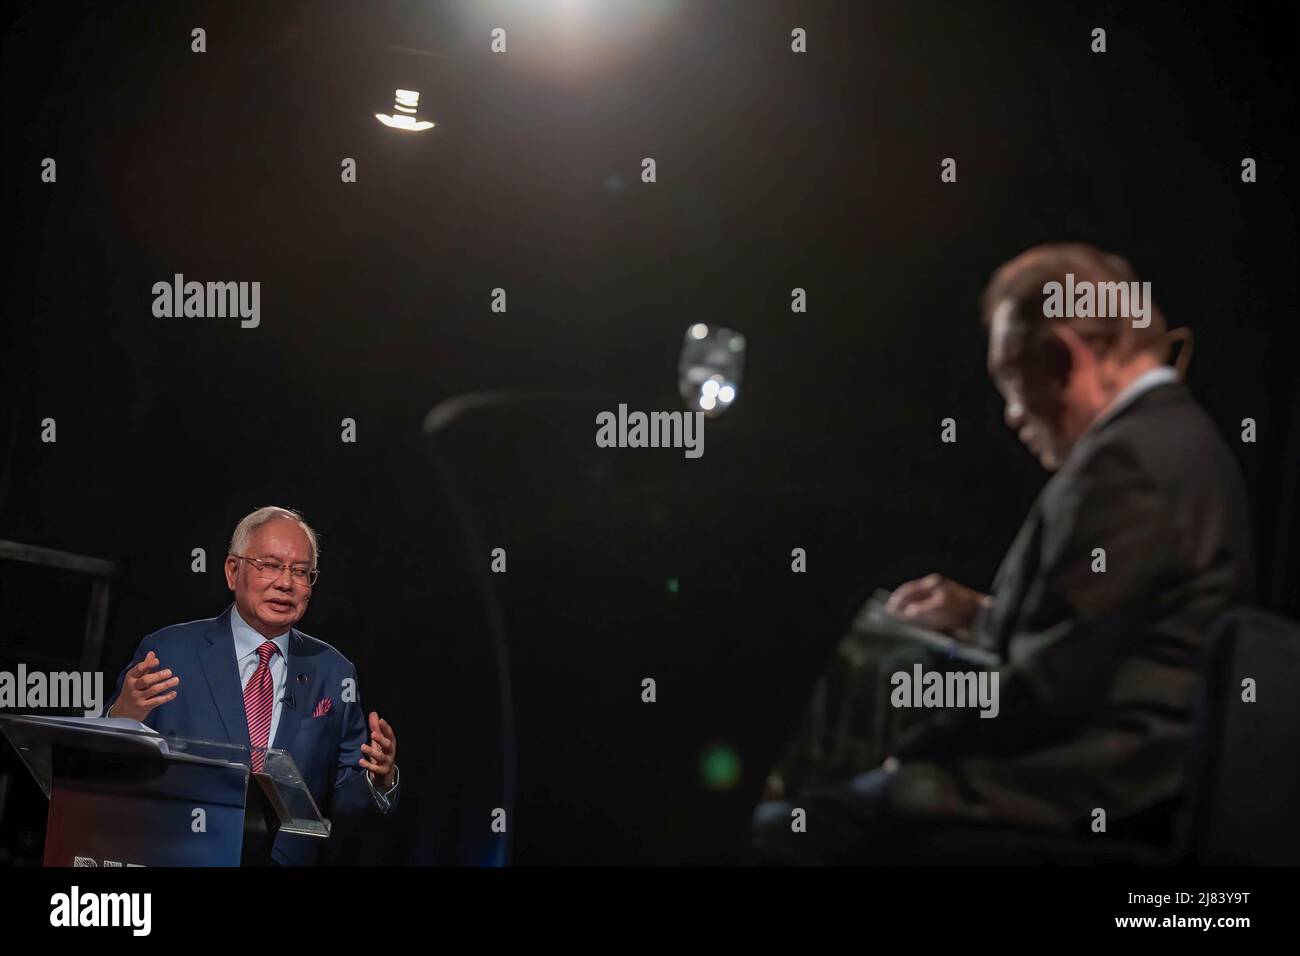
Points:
x=775 y=170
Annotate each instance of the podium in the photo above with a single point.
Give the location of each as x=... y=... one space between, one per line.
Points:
x=123 y=795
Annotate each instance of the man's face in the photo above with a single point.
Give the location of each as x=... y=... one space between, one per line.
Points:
x=1036 y=409
x=271 y=604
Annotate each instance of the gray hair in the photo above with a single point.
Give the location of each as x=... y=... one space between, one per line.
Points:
x=251 y=522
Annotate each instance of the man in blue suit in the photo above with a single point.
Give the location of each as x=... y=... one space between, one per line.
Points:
x=249 y=677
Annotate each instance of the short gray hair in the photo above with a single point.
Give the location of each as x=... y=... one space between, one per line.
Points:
x=251 y=522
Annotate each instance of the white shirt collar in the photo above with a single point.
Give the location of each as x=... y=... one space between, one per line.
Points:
x=1152 y=378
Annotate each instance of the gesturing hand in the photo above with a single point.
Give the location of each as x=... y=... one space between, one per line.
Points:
x=144 y=689
x=382 y=751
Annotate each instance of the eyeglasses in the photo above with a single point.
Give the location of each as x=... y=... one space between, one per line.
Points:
x=271 y=570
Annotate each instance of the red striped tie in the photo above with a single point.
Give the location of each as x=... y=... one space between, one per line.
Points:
x=259 y=702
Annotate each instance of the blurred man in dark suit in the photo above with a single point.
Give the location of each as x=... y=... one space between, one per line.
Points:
x=1099 y=667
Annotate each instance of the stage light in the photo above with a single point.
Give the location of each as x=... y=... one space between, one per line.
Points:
x=710 y=368
x=404 y=110
x=573 y=41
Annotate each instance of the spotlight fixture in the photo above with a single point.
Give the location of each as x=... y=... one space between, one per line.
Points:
x=408 y=101
x=710 y=368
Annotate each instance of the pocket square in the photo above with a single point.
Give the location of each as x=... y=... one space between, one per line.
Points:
x=323 y=708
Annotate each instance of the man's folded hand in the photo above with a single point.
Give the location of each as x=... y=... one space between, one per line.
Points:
x=937 y=603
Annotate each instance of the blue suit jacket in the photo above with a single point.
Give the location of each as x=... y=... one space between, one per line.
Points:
x=209 y=705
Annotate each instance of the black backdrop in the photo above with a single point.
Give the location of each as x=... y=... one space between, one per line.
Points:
x=775 y=170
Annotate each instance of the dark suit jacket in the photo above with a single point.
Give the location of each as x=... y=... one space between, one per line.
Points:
x=1100 y=668
x=209 y=705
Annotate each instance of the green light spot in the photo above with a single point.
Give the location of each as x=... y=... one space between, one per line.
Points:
x=672 y=585
x=720 y=767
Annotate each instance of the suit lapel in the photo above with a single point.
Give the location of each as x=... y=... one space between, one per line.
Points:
x=217 y=658
x=300 y=691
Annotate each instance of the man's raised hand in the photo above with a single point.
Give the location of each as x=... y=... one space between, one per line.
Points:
x=380 y=755
x=144 y=689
